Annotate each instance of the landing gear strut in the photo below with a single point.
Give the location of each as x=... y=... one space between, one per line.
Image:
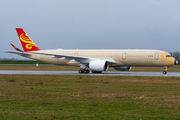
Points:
x=83 y=71
x=165 y=71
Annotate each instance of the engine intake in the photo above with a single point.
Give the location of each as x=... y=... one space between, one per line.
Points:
x=98 y=65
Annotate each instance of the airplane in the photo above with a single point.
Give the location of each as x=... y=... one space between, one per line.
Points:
x=94 y=59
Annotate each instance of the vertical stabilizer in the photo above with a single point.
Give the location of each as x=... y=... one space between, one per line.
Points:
x=27 y=43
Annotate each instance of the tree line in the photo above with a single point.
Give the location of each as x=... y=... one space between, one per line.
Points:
x=176 y=55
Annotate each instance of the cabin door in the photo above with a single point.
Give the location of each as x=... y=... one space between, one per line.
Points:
x=156 y=56
x=124 y=56
x=42 y=56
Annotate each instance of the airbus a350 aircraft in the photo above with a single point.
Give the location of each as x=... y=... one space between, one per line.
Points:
x=96 y=60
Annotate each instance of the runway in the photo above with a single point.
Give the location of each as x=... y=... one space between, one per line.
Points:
x=108 y=73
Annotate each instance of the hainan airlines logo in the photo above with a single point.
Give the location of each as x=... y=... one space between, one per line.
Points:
x=25 y=39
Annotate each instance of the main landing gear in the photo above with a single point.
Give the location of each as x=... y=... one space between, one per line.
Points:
x=87 y=71
x=83 y=71
x=165 y=70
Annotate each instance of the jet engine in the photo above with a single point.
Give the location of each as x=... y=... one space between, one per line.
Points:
x=98 y=65
x=123 y=68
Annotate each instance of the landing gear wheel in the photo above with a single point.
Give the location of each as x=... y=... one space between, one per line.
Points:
x=94 y=71
x=87 y=71
x=83 y=71
x=164 y=72
x=80 y=71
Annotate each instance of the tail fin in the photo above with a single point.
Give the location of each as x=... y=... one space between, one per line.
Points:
x=27 y=43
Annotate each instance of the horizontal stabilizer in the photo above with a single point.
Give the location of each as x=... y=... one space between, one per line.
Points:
x=19 y=53
x=16 y=48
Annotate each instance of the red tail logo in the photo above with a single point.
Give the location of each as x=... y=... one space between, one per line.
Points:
x=27 y=43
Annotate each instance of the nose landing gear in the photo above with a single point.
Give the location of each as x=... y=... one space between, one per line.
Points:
x=165 y=71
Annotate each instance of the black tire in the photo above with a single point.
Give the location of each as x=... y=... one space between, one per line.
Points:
x=164 y=72
x=87 y=71
x=94 y=71
x=80 y=71
x=99 y=71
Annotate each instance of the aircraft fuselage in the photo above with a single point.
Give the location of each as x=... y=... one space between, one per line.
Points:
x=121 y=57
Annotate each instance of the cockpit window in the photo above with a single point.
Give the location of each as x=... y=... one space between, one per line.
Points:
x=168 y=56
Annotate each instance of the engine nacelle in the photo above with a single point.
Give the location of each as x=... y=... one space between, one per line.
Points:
x=98 y=65
x=123 y=68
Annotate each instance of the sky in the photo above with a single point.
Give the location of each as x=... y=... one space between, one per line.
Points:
x=91 y=24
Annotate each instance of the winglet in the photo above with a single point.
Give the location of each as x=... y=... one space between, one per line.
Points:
x=16 y=48
x=27 y=43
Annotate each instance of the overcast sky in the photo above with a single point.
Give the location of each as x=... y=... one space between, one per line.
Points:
x=91 y=24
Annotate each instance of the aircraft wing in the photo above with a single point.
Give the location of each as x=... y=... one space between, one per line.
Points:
x=76 y=58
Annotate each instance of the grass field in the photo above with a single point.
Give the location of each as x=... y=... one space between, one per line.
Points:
x=84 y=97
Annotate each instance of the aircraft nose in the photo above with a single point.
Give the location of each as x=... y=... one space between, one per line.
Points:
x=175 y=62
